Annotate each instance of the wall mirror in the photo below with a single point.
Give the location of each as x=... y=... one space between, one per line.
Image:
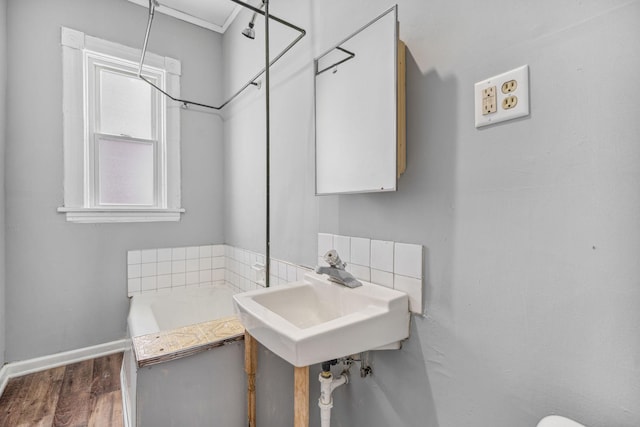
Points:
x=357 y=102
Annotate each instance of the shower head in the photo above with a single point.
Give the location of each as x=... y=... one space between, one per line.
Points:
x=249 y=32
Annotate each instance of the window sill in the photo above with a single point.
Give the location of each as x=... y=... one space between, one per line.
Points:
x=100 y=215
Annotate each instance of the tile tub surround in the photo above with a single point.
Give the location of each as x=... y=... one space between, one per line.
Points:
x=391 y=264
x=151 y=270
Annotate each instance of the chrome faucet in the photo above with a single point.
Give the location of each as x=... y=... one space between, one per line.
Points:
x=336 y=271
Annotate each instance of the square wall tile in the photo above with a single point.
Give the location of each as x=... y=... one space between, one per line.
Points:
x=193 y=264
x=408 y=260
x=133 y=286
x=360 y=272
x=361 y=251
x=325 y=243
x=178 y=254
x=205 y=251
x=193 y=278
x=217 y=250
x=178 y=279
x=133 y=257
x=342 y=244
x=164 y=254
x=148 y=255
x=291 y=273
x=178 y=266
x=282 y=271
x=217 y=262
x=193 y=252
x=148 y=283
x=383 y=278
x=133 y=271
x=382 y=255
x=148 y=269
x=217 y=274
x=206 y=264
x=163 y=268
x=164 y=281
x=413 y=288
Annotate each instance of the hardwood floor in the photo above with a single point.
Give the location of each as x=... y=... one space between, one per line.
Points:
x=78 y=395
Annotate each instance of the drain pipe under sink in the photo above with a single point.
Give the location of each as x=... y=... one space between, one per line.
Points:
x=327 y=385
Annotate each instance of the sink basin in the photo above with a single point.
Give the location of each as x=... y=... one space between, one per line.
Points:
x=315 y=320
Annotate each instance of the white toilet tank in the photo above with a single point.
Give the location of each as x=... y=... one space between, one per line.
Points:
x=558 y=421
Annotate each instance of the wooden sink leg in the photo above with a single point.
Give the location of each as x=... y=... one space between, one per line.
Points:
x=301 y=397
x=250 y=367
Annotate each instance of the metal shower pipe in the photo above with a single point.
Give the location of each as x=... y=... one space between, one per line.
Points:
x=252 y=82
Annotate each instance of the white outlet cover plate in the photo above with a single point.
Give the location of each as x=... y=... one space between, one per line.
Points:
x=520 y=75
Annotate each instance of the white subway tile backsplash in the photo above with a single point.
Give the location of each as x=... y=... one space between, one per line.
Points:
x=383 y=278
x=342 y=244
x=408 y=260
x=155 y=270
x=360 y=251
x=382 y=255
x=413 y=288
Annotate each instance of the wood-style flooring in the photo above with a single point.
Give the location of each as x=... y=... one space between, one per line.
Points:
x=78 y=395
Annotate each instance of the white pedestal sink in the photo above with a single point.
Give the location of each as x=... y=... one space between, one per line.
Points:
x=315 y=320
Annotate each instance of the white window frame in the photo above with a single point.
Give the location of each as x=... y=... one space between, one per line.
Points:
x=80 y=53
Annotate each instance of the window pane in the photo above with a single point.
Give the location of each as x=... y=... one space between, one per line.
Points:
x=125 y=105
x=126 y=172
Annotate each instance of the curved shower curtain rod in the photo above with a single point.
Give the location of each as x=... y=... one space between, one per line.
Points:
x=252 y=82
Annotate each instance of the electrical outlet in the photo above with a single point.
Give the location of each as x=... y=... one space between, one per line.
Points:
x=489 y=100
x=510 y=86
x=510 y=102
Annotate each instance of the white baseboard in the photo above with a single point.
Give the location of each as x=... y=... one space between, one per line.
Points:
x=24 y=367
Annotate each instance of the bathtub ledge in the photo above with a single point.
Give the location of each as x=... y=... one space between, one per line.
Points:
x=173 y=344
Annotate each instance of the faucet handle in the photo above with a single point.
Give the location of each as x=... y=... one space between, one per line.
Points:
x=333 y=259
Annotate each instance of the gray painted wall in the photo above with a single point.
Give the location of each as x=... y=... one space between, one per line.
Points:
x=529 y=228
x=3 y=111
x=66 y=283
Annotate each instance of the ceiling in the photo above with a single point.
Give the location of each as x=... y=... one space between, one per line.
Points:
x=215 y=15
